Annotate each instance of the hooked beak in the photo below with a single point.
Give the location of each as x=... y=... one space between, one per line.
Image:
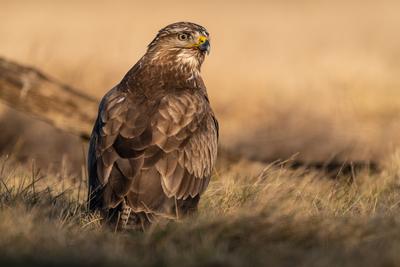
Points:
x=204 y=44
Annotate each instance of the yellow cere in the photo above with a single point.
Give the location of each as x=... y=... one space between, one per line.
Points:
x=202 y=40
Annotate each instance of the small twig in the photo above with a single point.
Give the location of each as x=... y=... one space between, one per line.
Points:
x=33 y=177
x=89 y=223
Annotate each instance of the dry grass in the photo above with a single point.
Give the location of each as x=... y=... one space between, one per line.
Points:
x=252 y=215
x=317 y=78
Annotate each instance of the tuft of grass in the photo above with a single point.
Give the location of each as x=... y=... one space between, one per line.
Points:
x=251 y=215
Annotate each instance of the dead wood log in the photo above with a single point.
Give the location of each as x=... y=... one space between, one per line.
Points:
x=30 y=91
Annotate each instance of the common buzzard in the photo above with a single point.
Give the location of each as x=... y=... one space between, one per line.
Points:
x=154 y=143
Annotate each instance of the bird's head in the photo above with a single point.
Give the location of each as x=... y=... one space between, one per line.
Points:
x=181 y=43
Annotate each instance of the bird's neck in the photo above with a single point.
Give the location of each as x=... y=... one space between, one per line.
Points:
x=163 y=73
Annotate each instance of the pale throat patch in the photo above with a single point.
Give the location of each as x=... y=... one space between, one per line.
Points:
x=188 y=58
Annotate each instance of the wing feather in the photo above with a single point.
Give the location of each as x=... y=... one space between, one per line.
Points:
x=174 y=142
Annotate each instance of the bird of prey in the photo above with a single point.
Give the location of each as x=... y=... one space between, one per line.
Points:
x=154 y=143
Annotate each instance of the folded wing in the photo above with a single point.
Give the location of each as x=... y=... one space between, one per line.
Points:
x=153 y=151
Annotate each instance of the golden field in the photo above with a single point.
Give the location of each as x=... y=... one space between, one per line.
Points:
x=308 y=80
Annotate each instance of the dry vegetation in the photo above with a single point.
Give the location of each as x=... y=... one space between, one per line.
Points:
x=315 y=79
x=252 y=215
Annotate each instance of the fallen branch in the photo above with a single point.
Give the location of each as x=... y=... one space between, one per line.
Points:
x=29 y=90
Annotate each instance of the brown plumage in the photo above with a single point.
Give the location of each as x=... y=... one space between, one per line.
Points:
x=154 y=143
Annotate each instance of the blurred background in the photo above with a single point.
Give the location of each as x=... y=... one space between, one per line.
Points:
x=315 y=79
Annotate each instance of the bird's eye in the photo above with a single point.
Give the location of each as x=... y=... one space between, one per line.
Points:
x=183 y=36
